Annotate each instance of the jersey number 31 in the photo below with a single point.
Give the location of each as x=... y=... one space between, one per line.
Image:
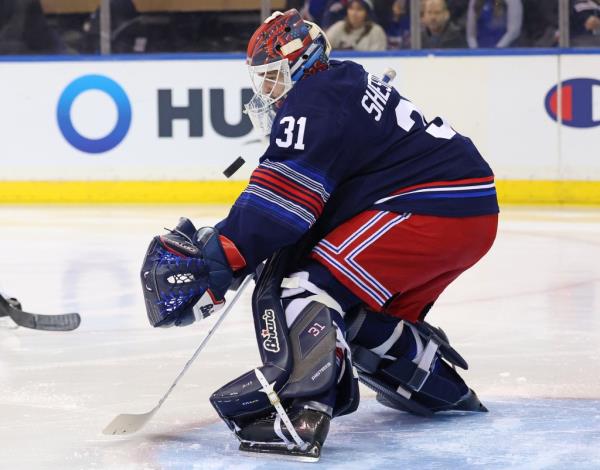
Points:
x=290 y=123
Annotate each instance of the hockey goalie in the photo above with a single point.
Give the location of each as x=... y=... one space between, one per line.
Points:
x=364 y=212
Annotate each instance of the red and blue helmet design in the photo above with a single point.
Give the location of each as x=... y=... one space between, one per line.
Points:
x=284 y=49
x=288 y=36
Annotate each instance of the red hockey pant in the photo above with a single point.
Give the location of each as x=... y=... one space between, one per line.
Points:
x=401 y=263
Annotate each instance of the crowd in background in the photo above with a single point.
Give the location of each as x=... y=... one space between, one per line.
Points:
x=362 y=24
x=366 y=25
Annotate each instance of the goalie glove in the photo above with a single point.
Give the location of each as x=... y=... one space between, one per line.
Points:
x=186 y=274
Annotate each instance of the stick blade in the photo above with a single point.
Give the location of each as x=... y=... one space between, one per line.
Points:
x=128 y=423
x=64 y=322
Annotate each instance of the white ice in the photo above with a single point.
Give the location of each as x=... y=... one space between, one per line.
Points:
x=527 y=318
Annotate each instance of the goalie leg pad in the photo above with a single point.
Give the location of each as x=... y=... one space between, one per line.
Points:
x=297 y=362
x=288 y=402
x=410 y=366
x=312 y=372
x=276 y=414
x=298 y=291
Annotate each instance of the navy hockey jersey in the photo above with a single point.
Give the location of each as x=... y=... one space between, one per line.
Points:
x=344 y=142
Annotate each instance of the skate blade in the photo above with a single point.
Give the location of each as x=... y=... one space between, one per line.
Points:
x=312 y=454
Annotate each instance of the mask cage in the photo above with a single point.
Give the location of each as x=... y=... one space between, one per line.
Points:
x=261 y=113
x=270 y=82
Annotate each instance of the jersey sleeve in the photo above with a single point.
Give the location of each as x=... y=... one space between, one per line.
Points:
x=288 y=190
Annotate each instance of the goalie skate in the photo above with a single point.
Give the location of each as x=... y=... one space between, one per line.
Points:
x=269 y=449
x=270 y=436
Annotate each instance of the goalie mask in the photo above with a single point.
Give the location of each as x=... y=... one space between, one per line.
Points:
x=283 y=49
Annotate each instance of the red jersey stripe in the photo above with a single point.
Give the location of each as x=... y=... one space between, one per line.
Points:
x=487 y=179
x=284 y=192
x=288 y=182
x=284 y=185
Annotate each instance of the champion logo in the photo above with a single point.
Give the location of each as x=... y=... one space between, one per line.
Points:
x=579 y=102
x=269 y=332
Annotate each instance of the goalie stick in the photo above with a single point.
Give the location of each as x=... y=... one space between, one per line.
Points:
x=64 y=322
x=130 y=423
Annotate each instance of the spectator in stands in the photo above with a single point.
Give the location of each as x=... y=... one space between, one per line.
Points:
x=311 y=10
x=358 y=31
x=24 y=30
x=334 y=11
x=298 y=4
x=585 y=22
x=127 y=31
x=540 y=23
x=397 y=27
x=382 y=10
x=458 y=11
x=439 y=32
x=494 y=23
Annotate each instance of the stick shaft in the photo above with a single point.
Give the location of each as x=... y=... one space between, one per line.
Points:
x=206 y=338
x=129 y=423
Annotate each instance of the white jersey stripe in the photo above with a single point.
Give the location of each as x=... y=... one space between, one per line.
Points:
x=440 y=189
x=298 y=177
x=281 y=202
x=338 y=249
x=360 y=272
x=352 y=264
x=351 y=258
x=357 y=281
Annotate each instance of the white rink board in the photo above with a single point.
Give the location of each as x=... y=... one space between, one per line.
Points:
x=581 y=150
x=498 y=101
x=35 y=149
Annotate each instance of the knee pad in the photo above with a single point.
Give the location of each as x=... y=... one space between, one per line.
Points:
x=411 y=367
x=298 y=291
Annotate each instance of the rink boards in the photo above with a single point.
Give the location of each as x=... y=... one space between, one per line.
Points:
x=162 y=128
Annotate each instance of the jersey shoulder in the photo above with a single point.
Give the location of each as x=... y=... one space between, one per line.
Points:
x=319 y=117
x=328 y=89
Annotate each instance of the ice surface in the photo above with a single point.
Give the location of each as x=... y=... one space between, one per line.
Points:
x=517 y=433
x=527 y=318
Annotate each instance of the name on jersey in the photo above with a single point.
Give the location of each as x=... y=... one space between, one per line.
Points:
x=376 y=96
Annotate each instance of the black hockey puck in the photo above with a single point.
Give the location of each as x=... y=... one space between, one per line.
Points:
x=235 y=166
